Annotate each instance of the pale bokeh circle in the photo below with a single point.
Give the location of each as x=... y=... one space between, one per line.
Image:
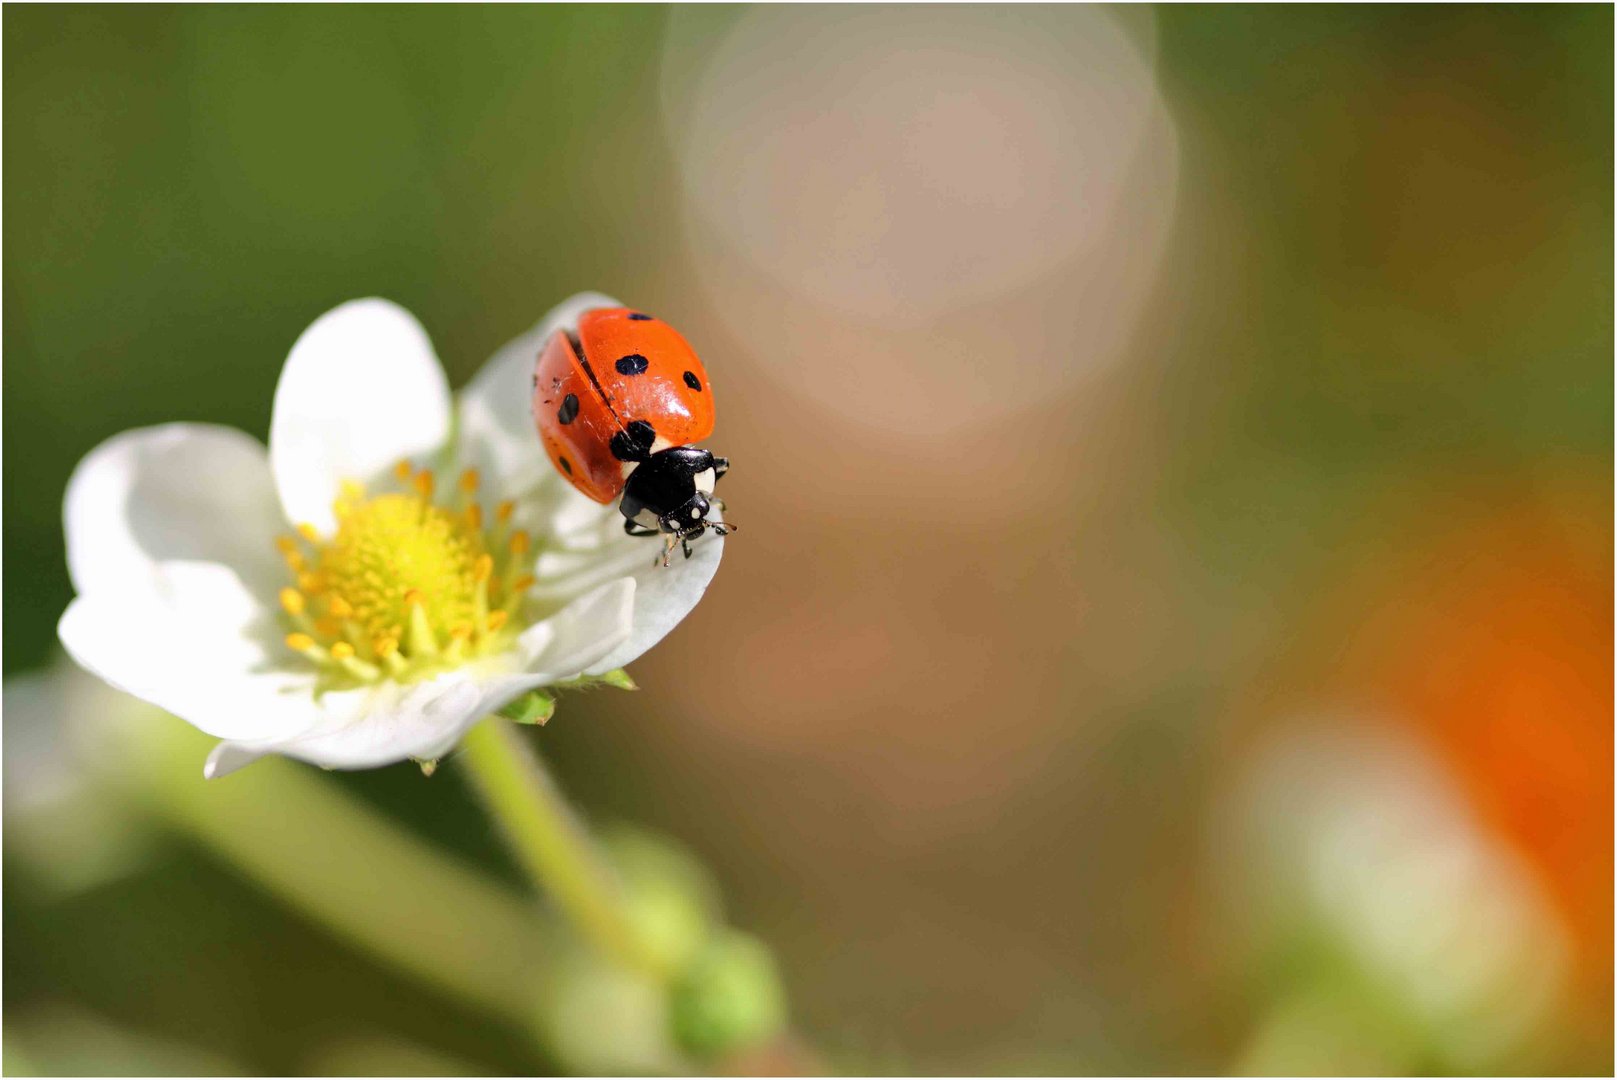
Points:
x=899 y=195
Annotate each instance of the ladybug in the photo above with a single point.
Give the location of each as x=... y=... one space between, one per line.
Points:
x=618 y=404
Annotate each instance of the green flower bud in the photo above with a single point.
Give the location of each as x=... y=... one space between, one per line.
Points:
x=728 y=999
x=671 y=899
x=601 y=1019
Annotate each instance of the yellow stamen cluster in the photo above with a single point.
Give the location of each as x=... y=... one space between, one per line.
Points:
x=405 y=587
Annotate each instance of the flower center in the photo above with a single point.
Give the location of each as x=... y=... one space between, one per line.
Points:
x=407 y=586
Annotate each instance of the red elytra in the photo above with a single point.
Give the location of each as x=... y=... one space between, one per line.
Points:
x=631 y=367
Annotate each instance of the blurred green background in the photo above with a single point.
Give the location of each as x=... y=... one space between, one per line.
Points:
x=1148 y=425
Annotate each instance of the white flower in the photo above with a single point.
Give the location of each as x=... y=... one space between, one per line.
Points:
x=331 y=600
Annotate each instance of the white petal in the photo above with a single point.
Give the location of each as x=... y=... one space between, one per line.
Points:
x=361 y=390
x=592 y=548
x=179 y=491
x=365 y=728
x=582 y=632
x=360 y=729
x=200 y=646
x=496 y=423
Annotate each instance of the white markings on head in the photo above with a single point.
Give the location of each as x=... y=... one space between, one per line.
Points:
x=696 y=514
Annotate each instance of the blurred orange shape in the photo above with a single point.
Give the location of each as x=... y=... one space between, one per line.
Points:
x=1504 y=657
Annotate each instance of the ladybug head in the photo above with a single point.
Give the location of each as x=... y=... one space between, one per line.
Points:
x=689 y=518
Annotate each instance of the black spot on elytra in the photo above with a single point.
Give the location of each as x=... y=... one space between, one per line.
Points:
x=569 y=409
x=633 y=364
x=634 y=442
x=693 y=382
x=566 y=466
x=637 y=317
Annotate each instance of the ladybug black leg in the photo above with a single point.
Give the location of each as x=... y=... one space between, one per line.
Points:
x=686 y=545
x=634 y=528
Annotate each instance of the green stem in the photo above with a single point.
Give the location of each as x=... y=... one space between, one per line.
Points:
x=551 y=844
x=350 y=869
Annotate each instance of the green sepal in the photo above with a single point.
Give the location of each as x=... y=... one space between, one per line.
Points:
x=534 y=707
x=617 y=677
